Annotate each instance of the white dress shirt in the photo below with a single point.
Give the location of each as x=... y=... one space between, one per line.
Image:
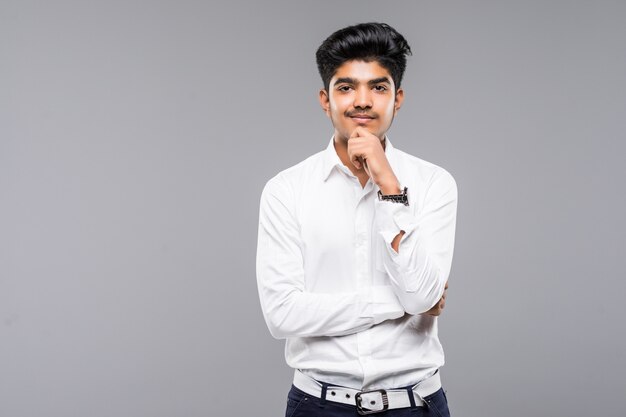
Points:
x=330 y=283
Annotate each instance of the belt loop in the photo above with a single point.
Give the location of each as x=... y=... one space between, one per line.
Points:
x=409 y=391
x=323 y=395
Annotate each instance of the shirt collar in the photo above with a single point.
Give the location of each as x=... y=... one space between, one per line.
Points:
x=331 y=159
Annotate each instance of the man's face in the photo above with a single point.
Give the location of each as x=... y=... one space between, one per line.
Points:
x=361 y=94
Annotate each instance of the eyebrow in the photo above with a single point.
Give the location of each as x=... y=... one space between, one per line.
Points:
x=349 y=80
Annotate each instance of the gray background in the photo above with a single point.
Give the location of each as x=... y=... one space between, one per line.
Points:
x=136 y=137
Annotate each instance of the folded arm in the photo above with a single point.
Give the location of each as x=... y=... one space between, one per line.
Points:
x=288 y=308
x=416 y=249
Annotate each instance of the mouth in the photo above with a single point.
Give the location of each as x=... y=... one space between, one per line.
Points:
x=361 y=118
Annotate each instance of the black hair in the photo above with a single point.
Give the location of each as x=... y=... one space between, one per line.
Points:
x=365 y=42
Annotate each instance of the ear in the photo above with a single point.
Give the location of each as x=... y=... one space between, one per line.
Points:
x=398 y=100
x=324 y=101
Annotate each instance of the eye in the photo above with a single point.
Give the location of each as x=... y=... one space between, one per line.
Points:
x=380 y=88
x=344 y=88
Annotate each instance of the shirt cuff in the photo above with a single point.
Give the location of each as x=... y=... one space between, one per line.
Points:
x=391 y=218
x=380 y=303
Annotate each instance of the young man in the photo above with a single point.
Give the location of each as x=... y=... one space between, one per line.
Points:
x=355 y=247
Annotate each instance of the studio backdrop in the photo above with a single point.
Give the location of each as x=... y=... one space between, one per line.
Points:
x=136 y=138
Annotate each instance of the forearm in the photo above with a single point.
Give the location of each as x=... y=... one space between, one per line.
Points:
x=439 y=306
x=303 y=314
x=415 y=277
x=415 y=249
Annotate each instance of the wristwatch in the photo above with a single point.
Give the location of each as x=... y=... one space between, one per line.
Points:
x=395 y=198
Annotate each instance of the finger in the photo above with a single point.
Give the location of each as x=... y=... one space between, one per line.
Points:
x=356 y=133
x=366 y=168
x=355 y=157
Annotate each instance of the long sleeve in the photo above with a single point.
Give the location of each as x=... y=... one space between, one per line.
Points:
x=288 y=308
x=419 y=270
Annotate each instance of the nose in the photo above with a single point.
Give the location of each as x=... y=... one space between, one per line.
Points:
x=362 y=98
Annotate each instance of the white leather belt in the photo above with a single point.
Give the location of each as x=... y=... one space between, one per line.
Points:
x=369 y=402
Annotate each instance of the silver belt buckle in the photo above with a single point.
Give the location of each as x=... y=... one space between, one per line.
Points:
x=365 y=411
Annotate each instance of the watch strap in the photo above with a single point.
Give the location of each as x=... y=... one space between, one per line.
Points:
x=402 y=198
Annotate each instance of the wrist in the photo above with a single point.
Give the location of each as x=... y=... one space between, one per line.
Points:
x=390 y=187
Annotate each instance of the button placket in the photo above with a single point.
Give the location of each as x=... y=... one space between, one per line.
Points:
x=359 y=244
